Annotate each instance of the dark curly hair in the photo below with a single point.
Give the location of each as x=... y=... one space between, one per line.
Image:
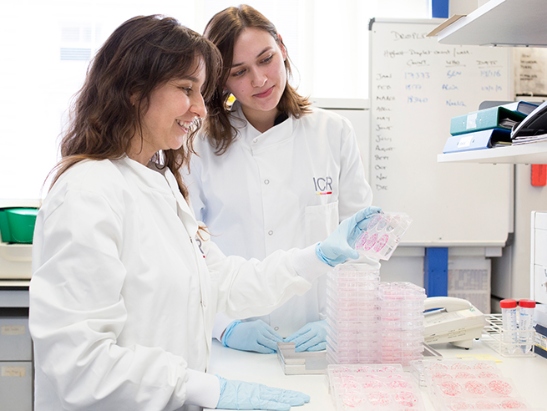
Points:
x=141 y=54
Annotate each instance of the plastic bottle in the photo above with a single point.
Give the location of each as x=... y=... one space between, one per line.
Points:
x=526 y=315
x=509 y=325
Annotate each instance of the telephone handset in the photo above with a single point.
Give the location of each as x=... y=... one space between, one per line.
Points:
x=534 y=123
x=453 y=320
x=446 y=303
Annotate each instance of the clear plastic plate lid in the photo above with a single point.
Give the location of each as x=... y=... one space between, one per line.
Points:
x=382 y=235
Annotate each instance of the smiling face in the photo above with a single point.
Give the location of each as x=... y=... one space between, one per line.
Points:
x=258 y=75
x=173 y=107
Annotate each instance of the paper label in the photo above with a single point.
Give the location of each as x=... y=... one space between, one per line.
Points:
x=471 y=120
x=465 y=141
x=12 y=330
x=13 y=371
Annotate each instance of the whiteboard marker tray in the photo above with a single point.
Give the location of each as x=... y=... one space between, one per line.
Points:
x=294 y=363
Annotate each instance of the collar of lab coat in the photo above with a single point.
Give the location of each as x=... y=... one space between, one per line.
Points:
x=255 y=138
x=156 y=177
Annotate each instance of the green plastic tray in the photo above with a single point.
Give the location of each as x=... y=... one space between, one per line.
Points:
x=17 y=225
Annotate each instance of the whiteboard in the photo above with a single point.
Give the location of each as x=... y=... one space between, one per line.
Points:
x=416 y=86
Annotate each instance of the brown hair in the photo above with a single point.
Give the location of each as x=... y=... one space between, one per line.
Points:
x=141 y=54
x=223 y=30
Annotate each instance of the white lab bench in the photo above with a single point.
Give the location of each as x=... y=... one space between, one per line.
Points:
x=529 y=374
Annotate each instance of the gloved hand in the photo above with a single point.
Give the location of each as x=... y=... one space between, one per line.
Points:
x=339 y=246
x=311 y=337
x=239 y=395
x=251 y=336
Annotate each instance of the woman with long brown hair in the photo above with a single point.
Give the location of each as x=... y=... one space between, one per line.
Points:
x=125 y=284
x=272 y=172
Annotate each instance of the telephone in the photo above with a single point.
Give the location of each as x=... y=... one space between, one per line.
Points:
x=453 y=320
x=534 y=123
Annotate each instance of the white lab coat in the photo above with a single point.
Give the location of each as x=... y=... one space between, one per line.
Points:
x=123 y=296
x=287 y=187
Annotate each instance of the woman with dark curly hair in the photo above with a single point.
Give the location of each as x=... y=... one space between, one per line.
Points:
x=125 y=283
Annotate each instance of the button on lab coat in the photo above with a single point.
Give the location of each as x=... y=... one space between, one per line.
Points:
x=124 y=293
x=287 y=187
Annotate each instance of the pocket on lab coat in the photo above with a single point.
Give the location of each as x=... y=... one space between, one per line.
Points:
x=320 y=220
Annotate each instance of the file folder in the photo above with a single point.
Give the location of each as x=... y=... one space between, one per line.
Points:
x=524 y=107
x=478 y=140
x=495 y=117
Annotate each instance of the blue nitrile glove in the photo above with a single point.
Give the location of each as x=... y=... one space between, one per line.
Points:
x=239 y=395
x=340 y=245
x=254 y=336
x=311 y=337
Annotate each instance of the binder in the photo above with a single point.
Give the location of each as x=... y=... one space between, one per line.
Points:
x=478 y=140
x=523 y=107
x=495 y=117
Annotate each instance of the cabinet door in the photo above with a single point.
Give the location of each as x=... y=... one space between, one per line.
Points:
x=539 y=284
x=15 y=341
x=16 y=386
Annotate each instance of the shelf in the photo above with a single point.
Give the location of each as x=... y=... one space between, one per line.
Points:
x=24 y=202
x=533 y=153
x=14 y=284
x=500 y=23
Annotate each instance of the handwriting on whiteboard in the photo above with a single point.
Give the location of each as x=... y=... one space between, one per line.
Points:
x=413 y=78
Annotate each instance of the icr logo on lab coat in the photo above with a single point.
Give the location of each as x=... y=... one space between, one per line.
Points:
x=323 y=185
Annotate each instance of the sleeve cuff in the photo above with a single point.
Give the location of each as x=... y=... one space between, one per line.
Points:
x=307 y=264
x=221 y=322
x=202 y=389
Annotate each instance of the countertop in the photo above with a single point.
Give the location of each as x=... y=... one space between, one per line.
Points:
x=529 y=374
